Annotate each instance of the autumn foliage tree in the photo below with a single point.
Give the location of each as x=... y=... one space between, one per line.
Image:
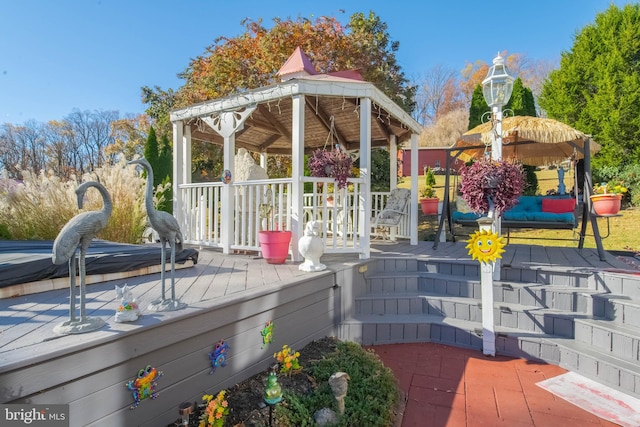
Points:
x=252 y=59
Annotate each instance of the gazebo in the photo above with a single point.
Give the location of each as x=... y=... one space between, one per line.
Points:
x=302 y=113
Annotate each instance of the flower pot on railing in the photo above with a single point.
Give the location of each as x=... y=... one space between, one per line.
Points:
x=606 y=204
x=274 y=245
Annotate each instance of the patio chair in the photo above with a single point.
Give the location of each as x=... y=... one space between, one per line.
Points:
x=390 y=216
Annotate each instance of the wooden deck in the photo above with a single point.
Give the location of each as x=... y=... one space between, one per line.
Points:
x=227 y=296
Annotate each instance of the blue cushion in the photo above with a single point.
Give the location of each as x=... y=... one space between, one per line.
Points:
x=515 y=215
x=469 y=216
x=567 y=217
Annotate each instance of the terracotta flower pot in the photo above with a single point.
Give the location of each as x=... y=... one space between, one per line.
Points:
x=275 y=245
x=429 y=206
x=606 y=204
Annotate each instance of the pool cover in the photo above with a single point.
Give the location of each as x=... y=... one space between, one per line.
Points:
x=23 y=261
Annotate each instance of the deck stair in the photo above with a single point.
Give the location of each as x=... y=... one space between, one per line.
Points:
x=587 y=321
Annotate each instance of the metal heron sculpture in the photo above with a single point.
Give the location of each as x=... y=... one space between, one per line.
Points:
x=78 y=233
x=168 y=230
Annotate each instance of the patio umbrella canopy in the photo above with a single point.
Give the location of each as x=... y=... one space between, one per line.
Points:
x=534 y=141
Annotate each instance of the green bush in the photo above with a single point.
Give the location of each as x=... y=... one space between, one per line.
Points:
x=429 y=177
x=371 y=398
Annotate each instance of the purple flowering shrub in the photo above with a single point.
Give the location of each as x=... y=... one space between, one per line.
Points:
x=502 y=180
x=334 y=164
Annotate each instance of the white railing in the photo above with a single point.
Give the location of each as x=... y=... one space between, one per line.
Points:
x=264 y=204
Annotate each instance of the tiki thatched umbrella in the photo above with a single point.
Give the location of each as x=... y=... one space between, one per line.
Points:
x=533 y=141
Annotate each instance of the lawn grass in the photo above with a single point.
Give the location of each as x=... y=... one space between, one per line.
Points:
x=622 y=232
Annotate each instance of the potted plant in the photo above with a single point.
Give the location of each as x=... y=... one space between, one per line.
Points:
x=274 y=242
x=333 y=163
x=607 y=197
x=428 y=200
x=488 y=184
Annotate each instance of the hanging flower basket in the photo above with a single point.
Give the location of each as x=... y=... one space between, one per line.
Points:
x=333 y=163
x=502 y=181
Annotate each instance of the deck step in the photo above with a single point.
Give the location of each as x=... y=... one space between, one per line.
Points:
x=599 y=366
x=621 y=341
x=377 y=330
x=621 y=309
x=516 y=316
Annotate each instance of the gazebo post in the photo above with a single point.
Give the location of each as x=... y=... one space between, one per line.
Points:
x=226 y=124
x=178 y=158
x=297 y=172
x=393 y=162
x=364 y=225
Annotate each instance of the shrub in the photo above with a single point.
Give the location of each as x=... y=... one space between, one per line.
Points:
x=370 y=400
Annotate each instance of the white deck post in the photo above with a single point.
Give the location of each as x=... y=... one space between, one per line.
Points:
x=297 y=171
x=413 y=208
x=486 y=290
x=365 y=173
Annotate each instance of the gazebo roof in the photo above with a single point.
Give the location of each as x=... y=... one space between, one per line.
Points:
x=329 y=98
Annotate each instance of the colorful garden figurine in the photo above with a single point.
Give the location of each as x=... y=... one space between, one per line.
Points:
x=218 y=356
x=267 y=333
x=145 y=385
x=226 y=176
x=128 y=310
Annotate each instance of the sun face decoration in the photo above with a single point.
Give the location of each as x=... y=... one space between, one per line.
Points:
x=486 y=246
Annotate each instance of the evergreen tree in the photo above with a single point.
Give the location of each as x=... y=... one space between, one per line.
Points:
x=521 y=102
x=152 y=154
x=478 y=107
x=165 y=172
x=597 y=87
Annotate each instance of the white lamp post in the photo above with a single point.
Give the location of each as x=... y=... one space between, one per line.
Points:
x=496 y=88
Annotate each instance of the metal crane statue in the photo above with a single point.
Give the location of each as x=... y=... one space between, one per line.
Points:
x=169 y=231
x=78 y=233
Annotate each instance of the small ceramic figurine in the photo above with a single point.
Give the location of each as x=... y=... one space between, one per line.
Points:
x=128 y=310
x=311 y=247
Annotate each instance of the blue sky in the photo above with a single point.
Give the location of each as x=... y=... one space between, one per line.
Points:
x=57 y=55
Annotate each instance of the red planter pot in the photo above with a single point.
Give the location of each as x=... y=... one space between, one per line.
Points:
x=429 y=206
x=275 y=245
x=606 y=204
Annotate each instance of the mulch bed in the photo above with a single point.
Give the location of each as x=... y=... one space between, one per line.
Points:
x=246 y=399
